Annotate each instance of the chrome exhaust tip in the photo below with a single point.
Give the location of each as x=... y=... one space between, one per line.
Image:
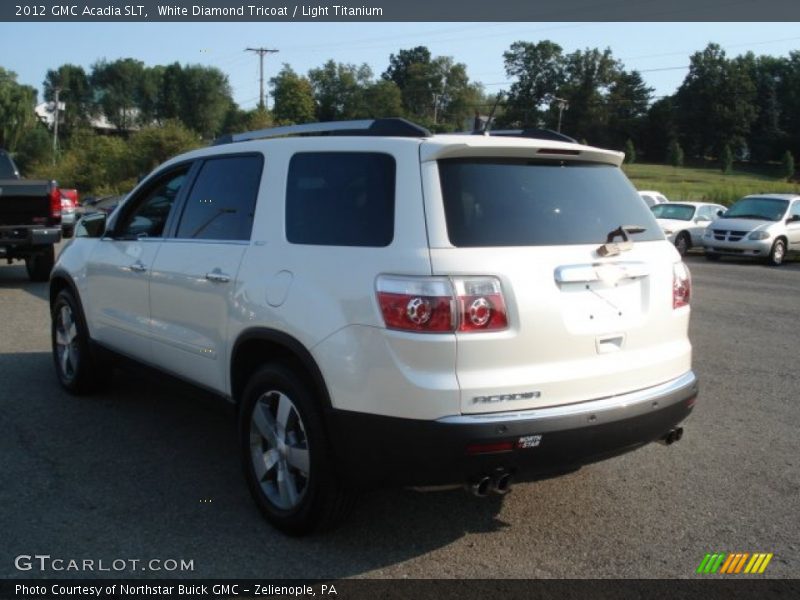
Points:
x=502 y=483
x=481 y=487
x=673 y=436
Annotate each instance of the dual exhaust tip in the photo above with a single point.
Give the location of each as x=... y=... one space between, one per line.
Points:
x=499 y=483
x=673 y=436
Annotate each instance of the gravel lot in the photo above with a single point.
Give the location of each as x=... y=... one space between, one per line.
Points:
x=144 y=472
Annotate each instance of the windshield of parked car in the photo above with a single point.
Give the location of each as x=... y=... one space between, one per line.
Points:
x=679 y=212
x=768 y=209
x=7 y=170
x=524 y=202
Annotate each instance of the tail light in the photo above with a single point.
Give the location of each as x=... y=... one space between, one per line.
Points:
x=55 y=201
x=442 y=304
x=681 y=285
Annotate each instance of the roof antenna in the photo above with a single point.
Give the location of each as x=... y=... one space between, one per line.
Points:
x=488 y=124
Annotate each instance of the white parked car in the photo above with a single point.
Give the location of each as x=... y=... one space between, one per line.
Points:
x=765 y=226
x=388 y=306
x=652 y=198
x=684 y=222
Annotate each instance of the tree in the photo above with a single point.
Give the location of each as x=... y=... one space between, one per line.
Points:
x=726 y=160
x=787 y=165
x=151 y=146
x=118 y=87
x=293 y=96
x=627 y=104
x=382 y=99
x=339 y=90
x=675 y=154
x=76 y=94
x=659 y=128
x=205 y=99
x=539 y=73
x=630 y=152
x=715 y=102
x=589 y=76
x=399 y=65
x=16 y=110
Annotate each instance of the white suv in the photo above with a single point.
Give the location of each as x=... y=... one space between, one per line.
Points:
x=387 y=306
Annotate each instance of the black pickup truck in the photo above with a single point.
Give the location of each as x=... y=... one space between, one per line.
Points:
x=30 y=220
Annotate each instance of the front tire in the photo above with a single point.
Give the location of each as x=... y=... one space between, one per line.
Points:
x=40 y=264
x=683 y=243
x=777 y=254
x=285 y=454
x=78 y=369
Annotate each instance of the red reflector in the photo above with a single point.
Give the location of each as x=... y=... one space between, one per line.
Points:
x=490 y=448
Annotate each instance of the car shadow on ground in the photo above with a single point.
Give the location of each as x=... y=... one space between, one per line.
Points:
x=15 y=276
x=151 y=471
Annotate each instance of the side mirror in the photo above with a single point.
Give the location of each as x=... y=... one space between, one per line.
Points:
x=720 y=213
x=92 y=225
x=793 y=219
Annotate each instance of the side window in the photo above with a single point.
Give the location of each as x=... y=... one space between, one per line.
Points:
x=795 y=209
x=706 y=213
x=340 y=199
x=222 y=201
x=152 y=207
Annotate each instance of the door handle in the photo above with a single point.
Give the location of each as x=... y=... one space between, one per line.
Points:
x=138 y=267
x=218 y=277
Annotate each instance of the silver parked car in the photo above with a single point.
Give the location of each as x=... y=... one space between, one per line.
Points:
x=684 y=222
x=765 y=226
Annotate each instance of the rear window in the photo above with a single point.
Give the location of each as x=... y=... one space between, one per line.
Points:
x=678 y=212
x=340 y=199
x=520 y=202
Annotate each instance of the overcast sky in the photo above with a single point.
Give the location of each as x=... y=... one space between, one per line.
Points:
x=659 y=50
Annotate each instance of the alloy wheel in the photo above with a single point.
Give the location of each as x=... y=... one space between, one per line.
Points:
x=279 y=450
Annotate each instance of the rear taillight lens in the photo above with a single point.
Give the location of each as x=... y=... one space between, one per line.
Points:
x=681 y=285
x=441 y=304
x=55 y=202
x=481 y=304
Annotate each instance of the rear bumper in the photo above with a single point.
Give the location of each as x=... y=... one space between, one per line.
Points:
x=26 y=236
x=375 y=450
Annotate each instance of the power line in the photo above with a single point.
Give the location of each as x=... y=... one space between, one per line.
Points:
x=261 y=52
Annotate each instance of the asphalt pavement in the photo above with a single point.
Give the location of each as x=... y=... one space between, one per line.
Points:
x=143 y=472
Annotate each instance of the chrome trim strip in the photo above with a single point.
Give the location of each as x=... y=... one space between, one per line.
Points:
x=600 y=405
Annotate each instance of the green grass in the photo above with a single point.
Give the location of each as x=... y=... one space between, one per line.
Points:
x=708 y=184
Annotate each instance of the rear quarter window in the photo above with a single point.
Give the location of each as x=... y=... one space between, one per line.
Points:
x=340 y=199
x=520 y=202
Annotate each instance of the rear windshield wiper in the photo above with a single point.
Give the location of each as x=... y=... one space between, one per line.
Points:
x=611 y=248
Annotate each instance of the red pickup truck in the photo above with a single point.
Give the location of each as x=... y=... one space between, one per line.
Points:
x=30 y=220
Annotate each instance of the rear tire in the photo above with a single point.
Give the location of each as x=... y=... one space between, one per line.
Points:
x=777 y=254
x=78 y=368
x=40 y=264
x=285 y=454
x=67 y=232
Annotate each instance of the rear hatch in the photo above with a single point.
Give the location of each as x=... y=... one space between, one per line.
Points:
x=586 y=319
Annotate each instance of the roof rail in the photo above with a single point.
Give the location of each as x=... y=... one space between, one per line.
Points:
x=389 y=127
x=542 y=134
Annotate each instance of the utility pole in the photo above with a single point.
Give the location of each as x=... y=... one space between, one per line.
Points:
x=57 y=91
x=562 y=106
x=261 y=52
x=436 y=107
